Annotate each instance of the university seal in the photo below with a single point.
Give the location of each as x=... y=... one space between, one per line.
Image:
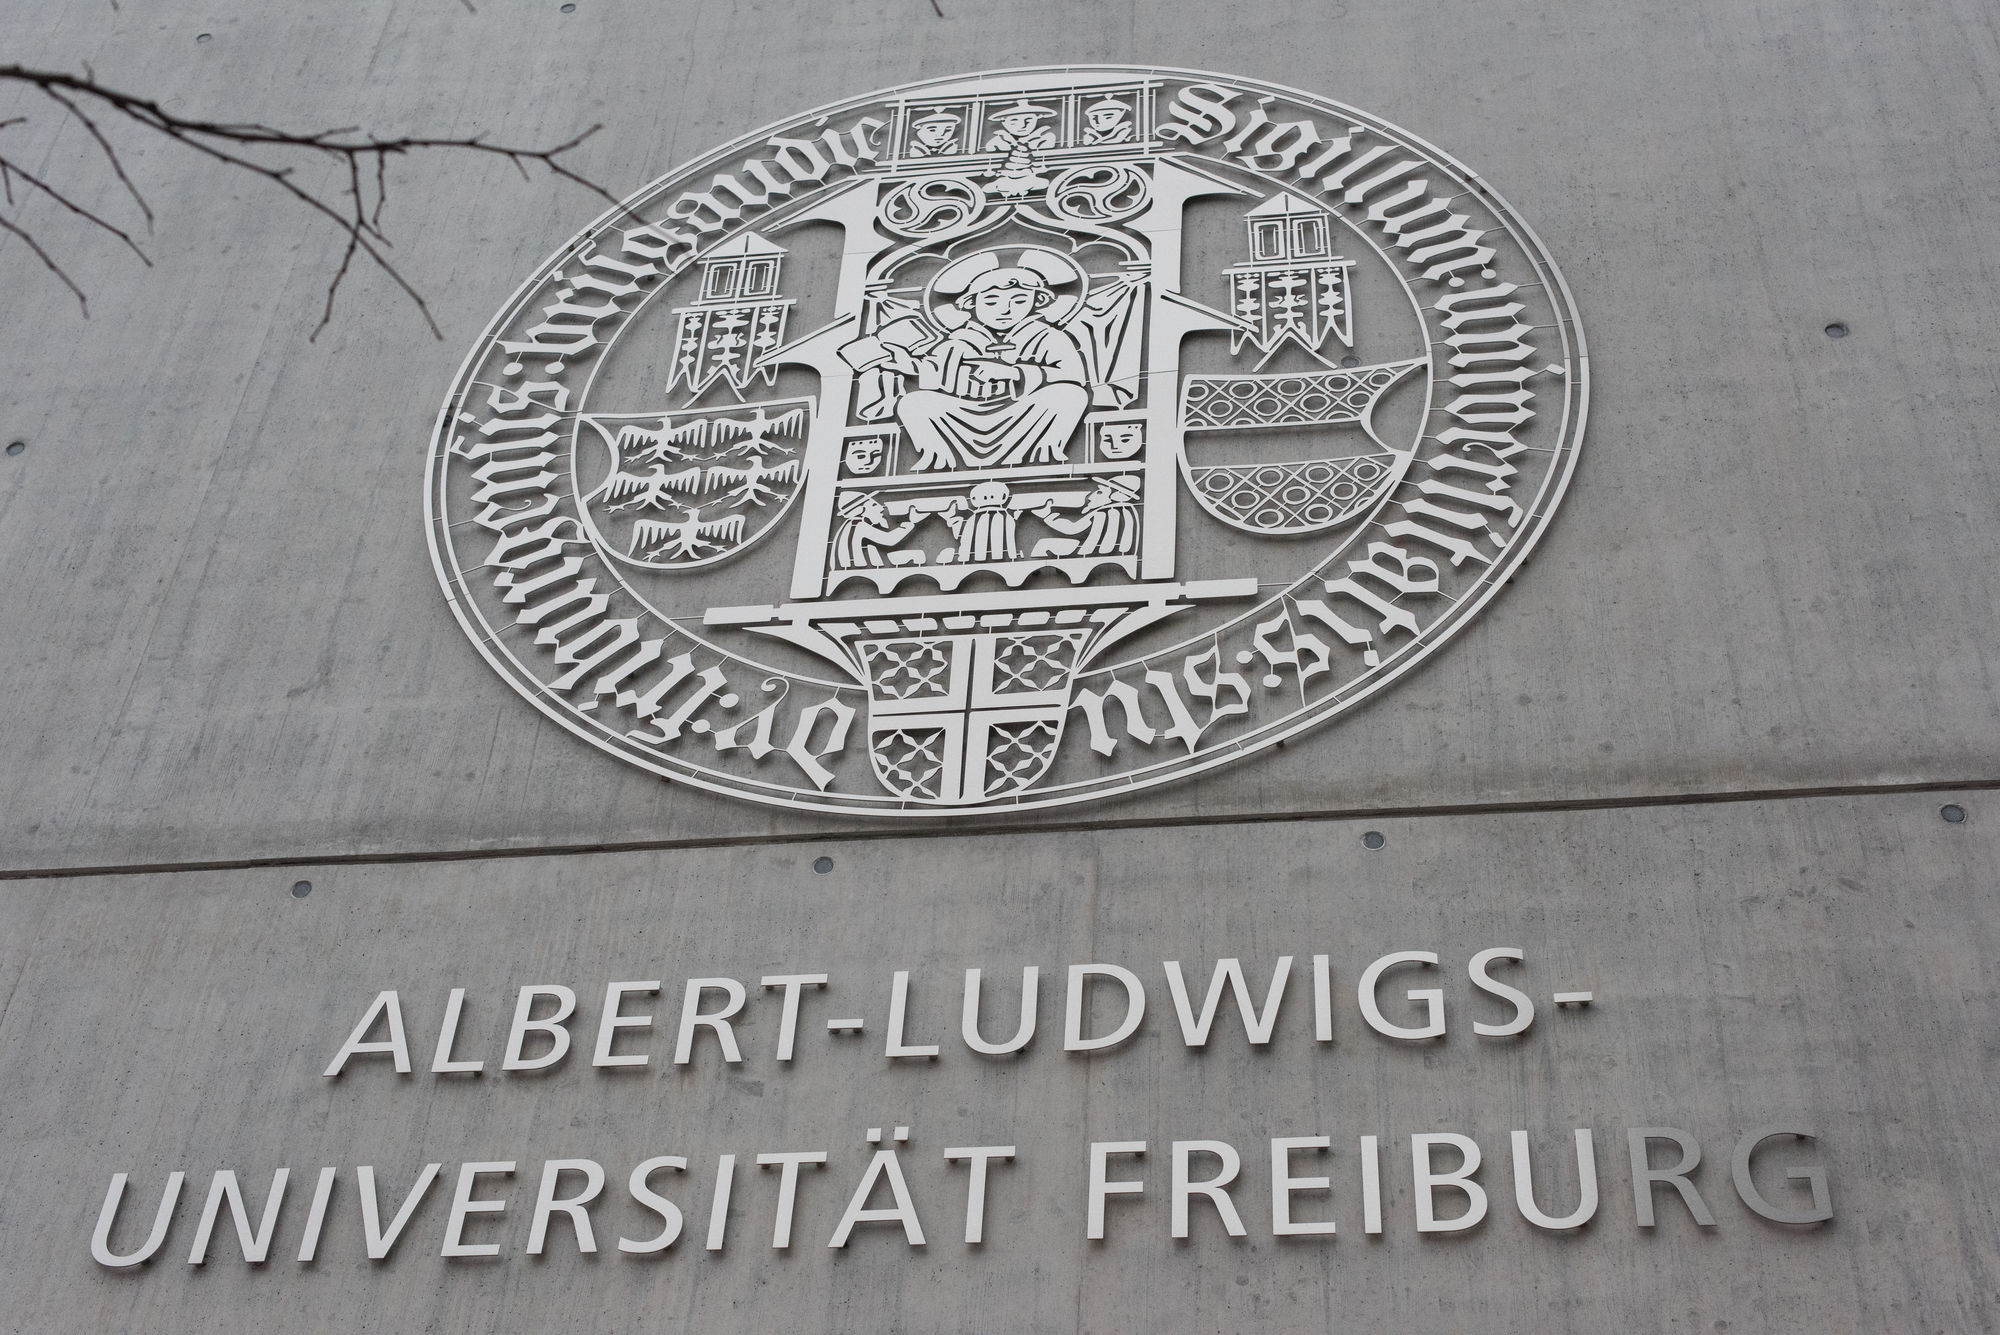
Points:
x=1010 y=441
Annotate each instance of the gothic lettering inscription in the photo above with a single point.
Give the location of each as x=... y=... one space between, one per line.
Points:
x=1007 y=441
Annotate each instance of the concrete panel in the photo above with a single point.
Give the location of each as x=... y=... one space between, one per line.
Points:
x=223 y=641
x=1828 y=960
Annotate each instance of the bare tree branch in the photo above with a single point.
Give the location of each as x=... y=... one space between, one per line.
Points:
x=232 y=143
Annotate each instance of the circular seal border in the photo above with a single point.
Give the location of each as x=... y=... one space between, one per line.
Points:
x=1537 y=513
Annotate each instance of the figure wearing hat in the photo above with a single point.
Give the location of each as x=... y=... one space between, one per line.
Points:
x=1107 y=122
x=933 y=136
x=866 y=533
x=1021 y=137
x=1108 y=526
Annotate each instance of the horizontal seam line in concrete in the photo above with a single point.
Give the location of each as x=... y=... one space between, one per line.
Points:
x=394 y=858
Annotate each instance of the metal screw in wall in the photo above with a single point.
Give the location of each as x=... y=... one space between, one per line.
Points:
x=203 y=36
x=822 y=865
x=1953 y=813
x=1836 y=330
x=300 y=889
x=1373 y=839
x=16 y=446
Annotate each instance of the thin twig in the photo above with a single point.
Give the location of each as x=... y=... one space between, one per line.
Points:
x=16 y=169
x=110 y=154
x=43 y=255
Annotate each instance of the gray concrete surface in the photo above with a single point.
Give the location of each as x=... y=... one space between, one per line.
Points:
x=1827 y=959
x=223 y=639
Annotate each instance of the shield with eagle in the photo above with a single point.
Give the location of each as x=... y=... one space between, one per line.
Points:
x=682 y=490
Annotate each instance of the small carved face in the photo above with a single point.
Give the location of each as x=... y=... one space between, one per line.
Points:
x=863 y=455
x=1120 y=440
x=937 y=134
x=1004 y=307
x=1020 y=124
x=1103 y=118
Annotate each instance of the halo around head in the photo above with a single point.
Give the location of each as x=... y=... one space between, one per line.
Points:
x=1065 y=277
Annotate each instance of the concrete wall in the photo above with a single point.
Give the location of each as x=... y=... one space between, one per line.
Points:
x=222 y=643
x=1825 y=963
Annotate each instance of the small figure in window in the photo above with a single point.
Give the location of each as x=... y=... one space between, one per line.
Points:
x=934 y=136
x=1109 y=122
x=1021 y=137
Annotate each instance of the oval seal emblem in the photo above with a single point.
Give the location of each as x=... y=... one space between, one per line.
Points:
x=1009 y=440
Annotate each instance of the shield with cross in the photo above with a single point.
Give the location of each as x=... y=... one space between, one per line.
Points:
x=968 y=718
